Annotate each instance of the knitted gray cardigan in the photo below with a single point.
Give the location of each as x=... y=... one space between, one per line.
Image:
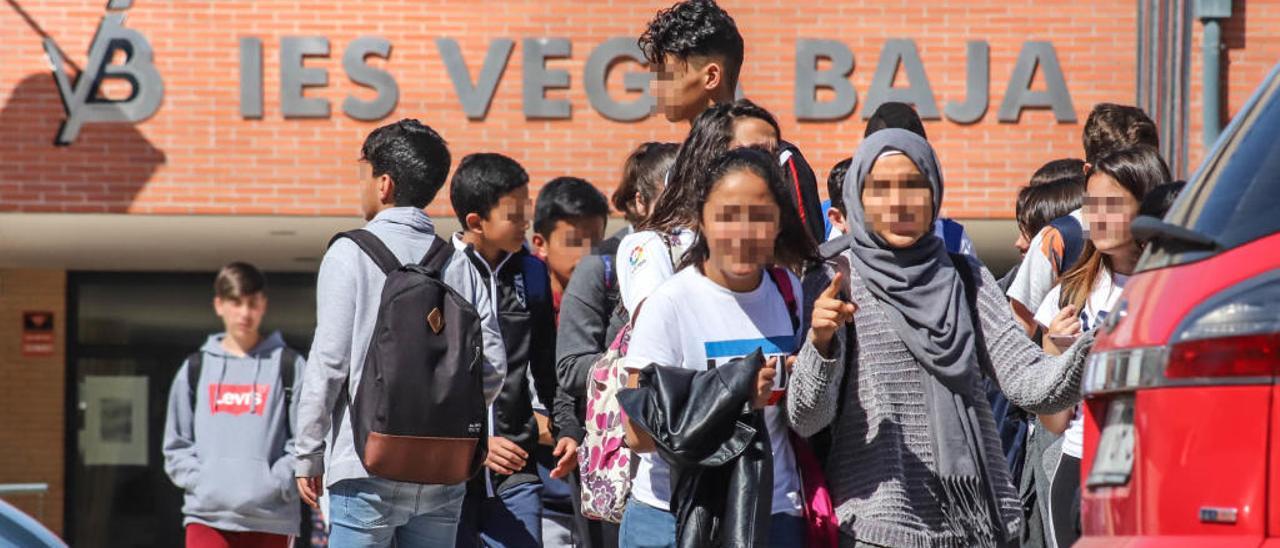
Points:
x=881 y=469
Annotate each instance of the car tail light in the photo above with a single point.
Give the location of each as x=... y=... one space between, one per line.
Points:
x=1244 y=356
x=1232 y=338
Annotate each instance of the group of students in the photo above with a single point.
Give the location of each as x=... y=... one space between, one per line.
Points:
x=796 y=373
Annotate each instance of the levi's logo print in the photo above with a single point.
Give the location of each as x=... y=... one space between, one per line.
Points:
x=237 y=399
x=722 y=352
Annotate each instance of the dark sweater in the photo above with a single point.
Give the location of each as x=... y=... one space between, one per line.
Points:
x=590 y=319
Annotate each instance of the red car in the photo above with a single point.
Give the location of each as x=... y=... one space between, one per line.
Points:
x=1182 y=418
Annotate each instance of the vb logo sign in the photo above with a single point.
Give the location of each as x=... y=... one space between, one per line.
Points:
x=81 y=95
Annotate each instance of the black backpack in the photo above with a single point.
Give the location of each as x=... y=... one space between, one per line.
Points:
x=419 y=413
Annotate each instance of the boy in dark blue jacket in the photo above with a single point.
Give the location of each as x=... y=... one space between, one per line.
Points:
x=503 y=506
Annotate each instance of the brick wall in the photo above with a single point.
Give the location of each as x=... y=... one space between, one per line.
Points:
x=32 y=389
x=198 y=156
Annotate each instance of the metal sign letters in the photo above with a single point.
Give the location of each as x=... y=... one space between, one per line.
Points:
x=83 y=101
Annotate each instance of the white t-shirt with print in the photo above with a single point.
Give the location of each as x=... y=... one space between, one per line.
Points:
x=644 y=261
x=1106 y=292
x=1039 y=270
x=694 y=323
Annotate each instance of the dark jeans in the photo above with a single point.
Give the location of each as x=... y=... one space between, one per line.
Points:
x=562 y=501
x=786 y=531
x=1064 y=501
x=512 y=519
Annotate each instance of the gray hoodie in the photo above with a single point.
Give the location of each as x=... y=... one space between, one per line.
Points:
x=233 y=456
x=348 y=293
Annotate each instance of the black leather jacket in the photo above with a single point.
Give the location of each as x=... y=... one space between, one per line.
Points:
x=718 y=448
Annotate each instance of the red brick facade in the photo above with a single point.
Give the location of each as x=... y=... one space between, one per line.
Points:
x=197 y=155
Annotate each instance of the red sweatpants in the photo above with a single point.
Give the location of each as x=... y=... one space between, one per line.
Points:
x=203 y=536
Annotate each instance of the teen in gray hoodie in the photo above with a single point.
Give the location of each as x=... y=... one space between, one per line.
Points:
x=404 y=165
x=230 y=448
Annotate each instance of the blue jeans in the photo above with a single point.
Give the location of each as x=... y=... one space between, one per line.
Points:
x=513 y=519
x=644 y=526
x=374 y=512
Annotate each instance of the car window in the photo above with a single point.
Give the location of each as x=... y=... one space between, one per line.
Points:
x=1235 y=197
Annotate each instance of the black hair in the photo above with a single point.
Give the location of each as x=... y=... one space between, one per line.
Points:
x=708 y=139
x=793 y=247
x=414 y=156
x=567 y=198
x=1064 y=169
x=1055 y=190
x=481 y=180
x=1039 y=205
x=1157 y=202
x=239 y=280
x=895 y=115
x=694 y=28
x=1138 y=169
x=1111 y=127
x=835 y=183
x=642 y=175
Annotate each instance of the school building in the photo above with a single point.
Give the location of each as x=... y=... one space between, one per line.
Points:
x=143 y=143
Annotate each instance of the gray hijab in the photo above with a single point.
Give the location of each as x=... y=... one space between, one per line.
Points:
x=924 y=298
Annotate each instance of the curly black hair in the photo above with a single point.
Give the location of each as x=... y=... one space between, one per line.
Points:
x=414 y=155
x=694 y=28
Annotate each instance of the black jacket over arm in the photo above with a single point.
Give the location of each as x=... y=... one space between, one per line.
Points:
x=718 y=448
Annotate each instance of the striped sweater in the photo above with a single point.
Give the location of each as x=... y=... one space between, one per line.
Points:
x=881 y=469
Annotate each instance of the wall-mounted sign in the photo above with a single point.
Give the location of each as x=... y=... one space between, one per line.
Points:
x=38 y=335
x=475 y=95
x=83 y=104
x=80 y=94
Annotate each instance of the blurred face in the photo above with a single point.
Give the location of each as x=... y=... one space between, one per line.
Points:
x=505 y=226
x=1022 y=243
x=1108 y=210
x=570 y=240
x=898 y=201
x=740 y=222
x=754 y=132
x=243 y=316
x=680 y=89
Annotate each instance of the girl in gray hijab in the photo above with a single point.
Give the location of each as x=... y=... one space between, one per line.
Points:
x=898 y=345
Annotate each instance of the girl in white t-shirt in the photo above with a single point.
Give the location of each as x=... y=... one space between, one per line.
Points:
x=722 y=304
x=647 y=257
x=1086 y=294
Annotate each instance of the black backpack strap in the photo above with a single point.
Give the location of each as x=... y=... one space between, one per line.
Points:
x=965 y=270
x=438 y=255
x=373 y=247
x=194 y=363
x=288 y=358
